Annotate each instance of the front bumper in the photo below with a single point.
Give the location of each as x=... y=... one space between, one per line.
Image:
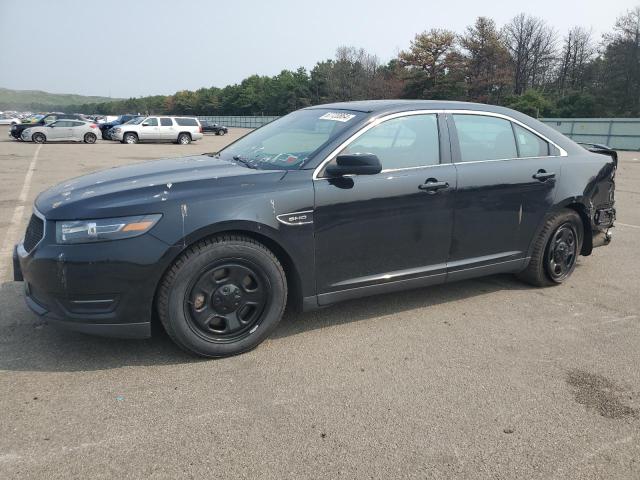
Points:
x=115 y=135
x=103 y=289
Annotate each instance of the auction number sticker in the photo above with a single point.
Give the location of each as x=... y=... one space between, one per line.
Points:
x=337 y=116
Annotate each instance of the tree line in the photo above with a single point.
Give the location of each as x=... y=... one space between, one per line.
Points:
x=524 y=64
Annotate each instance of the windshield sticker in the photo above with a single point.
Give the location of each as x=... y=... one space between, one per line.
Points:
x=337 y=117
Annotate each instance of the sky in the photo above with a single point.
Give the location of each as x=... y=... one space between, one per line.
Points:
x=131 y=48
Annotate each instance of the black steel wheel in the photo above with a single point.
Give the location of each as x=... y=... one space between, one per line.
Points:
x=562 y=252
x=226 y=300
x=555 y=250
x=222 y=296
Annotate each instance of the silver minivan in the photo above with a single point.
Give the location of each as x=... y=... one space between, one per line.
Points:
x=182 y=130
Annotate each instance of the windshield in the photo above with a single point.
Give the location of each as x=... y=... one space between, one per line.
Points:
x=289 y=141
x=136 y=121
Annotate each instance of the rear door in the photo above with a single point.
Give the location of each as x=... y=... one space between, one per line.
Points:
x=506 y=183
x=168 y=130
x=150 y=129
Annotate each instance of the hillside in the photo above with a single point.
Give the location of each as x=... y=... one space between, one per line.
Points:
x=37 y=100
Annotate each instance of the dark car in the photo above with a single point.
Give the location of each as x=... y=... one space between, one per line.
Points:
x=325 y=204
x=16 y=130
x=106 y=126
x=211 y=127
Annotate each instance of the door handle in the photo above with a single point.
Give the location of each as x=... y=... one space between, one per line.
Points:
x=543 y=175
x=431 y=186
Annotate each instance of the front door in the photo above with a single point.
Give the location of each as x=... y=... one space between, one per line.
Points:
x=506 y=184
x=392 y=229
x=150 y=129
x=57 y=131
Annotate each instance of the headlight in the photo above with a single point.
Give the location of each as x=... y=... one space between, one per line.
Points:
x=103 y=229
x=117 y=130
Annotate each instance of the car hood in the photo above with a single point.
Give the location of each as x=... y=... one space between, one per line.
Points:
x=148 y=187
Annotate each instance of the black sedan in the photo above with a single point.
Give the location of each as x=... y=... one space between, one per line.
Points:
x=211 y=127
x=325 y=204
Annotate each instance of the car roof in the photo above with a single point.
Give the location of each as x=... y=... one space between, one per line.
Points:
x=383 y=106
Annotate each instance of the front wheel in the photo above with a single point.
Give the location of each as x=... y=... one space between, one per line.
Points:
x=90 y=138
x=222 y=296
x=130 y=138
x=38 y=138
x=555 y=251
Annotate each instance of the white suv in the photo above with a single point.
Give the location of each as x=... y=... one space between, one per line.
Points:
x=182 y=130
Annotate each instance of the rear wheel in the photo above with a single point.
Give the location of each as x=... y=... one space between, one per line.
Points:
x=223 y=296
x=130 y=138
x=184 y=139
x=90 y=138
x=38 y=138
x=556 y=250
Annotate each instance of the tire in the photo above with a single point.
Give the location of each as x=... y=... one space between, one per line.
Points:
x=105 y=136
x=38 y=138
x=555 y=250
x=184 y=139
x=90 y=138
x=218 y=132
x=223 y=296
x=130 y=138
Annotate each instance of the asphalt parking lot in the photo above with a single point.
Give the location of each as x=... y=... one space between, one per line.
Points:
x=487 y=378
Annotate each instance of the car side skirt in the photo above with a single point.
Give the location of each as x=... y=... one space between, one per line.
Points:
x=325 y=299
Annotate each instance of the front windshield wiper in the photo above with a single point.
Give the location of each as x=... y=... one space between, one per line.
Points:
x=245 y=162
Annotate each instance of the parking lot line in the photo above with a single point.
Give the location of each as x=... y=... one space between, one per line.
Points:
x=16 y=219
x=627 y=225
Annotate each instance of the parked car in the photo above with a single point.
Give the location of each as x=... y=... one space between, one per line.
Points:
x=16 y=130
x=211 y=127
x=182 y=130
x=9 y=120
x=62 y=131
x=107 y=126
x=325 y=204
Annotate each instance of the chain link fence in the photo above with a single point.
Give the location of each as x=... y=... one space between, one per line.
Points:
x=618 y=133
x=239 y=121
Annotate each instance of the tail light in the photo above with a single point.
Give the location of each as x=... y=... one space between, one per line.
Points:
x=93 y=125
x=200 y=128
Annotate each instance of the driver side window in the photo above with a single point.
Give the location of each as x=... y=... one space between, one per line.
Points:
x=404 y=142
x=152 y=122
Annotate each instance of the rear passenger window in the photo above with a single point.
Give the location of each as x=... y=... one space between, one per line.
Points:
x=187 y=122
x=410 y=141
x=76 y=124
x=529 y=144
x=166 y=122
x=484 y=138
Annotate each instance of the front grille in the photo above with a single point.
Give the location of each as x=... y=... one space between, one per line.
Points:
x=34 y=233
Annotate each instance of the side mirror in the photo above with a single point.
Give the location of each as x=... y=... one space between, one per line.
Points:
x=145 y=124
x=355 y=164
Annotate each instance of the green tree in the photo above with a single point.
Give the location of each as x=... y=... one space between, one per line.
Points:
x=434 y=67
x=486 y=61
